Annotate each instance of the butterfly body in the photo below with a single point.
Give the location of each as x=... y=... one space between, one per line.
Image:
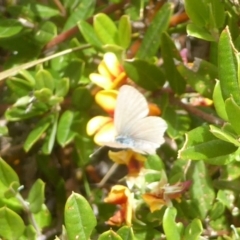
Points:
x=134 y=129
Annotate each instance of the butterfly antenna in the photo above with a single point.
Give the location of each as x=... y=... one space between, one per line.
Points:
x=95 y=152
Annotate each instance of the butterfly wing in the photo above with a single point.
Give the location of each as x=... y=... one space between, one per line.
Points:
x=134 y=130
x=130 y=107
x=146 y=135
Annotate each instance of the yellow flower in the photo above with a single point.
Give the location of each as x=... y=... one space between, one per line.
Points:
x=162 y=194
x=102 y=127
x=121 y=195
x=135 y=165
x=111 y=74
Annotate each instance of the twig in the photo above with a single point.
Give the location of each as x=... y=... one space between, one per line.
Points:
x=60 y=7
x=108 y=175
x=197 y=112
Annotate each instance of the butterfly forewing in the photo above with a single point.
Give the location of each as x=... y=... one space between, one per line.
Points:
x=130 y=106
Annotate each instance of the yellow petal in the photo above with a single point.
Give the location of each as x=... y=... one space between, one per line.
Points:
x=112 y=63
x=118 y=195
x=153 y=202
x=107 y=100
x=121 y=157
x=101 y=81
x=103 y=70
x=105 y=134
x=96 y=123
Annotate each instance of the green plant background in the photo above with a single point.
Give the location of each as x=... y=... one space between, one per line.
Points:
x=49 y=48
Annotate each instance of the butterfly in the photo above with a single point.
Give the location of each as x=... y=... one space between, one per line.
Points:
x=134 y=128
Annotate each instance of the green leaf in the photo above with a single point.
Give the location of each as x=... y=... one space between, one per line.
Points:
x=44 y=79
x=201 y=77
x=124 y=31
x=84 y=146
x=199 y=32
x=199 y=17
x=147 y=233
x=9 y=28
x=145 y=74
x=79 y=218
x=43 y=217
x=201 y=189
x=217 y=210
x=116 y=49
x=170 y=56
x=227 y=67
x=169 y=225
x=109 y=235
x=201 y=144
x=14 y=70
x=3 y=131
x=29 y=233
x=37 y=132
x=65 y=133
x=20 y=113
x=154 y=162
x=62 y=87
x=36 y=196
x=126 y=233
x=8 y=176
x=82 y=99
x=23 y=101
x=151 y=40
x=12 y=190
x=82 y=11
x=89 y=34
x=19 y=86
x=233 y=112
x=222 y=197
x=74 y=71
x=11 y=224
x=46 y=32
x=51 y=136
x=43 y=11
x=224 y=135
x=193 y=230
x=217 y=13
x=219 y=103
x=178 y=124
x=105 y=29
x=27 y=76
x=43 y=95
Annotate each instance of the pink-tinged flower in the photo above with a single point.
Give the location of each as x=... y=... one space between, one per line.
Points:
x=121 y=195
x=111 y=74
x=162 y=194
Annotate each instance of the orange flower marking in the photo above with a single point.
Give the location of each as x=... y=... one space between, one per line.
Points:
x=111 y=74
x=154 y=110
x=122 y=196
